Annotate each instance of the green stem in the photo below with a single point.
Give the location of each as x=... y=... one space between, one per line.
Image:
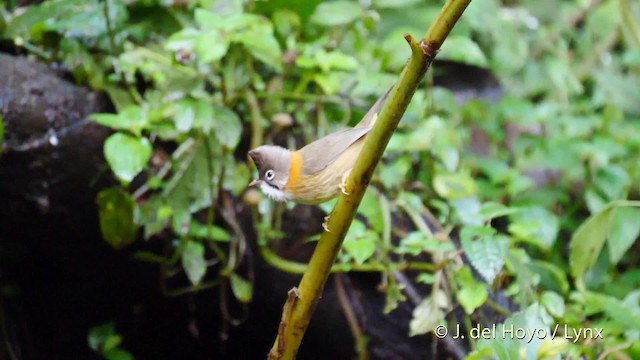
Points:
x=299 y=309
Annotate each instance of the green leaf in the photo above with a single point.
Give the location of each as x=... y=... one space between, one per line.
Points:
x=73 y=19
x=481 y=354
x=485 y=249
x=429 y=313
x=210 y=46
x=189 y=189
x=193 y=261
x=416 y=243
x=112 y=342
x=554 y=303
x=492 y=210
x=535 y=225
x=117 y=354
x=242 y=289
x=623 y=231
x=127 y=155
x=263 y=46
x=228 y=127
x=625 y=313
x=454 y=186
x=207 y=19
x=212 y=232
x=472 y=294
x=116 y=209
x=193 y=113
x=371 y=209
x=463 y=50
x=335 y=13
x=131 y=118
x=99 y=334
x=514 y=346
x=587 y=241
x=551 y=276
x=361 y=247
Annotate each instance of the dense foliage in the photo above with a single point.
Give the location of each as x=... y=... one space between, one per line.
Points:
x=534 y=189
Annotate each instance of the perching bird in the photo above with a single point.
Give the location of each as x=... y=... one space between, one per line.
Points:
x=317 y=172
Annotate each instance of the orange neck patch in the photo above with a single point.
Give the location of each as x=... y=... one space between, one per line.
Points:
x=295 y=170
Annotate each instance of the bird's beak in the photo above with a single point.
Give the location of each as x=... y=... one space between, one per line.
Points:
x=255 y=182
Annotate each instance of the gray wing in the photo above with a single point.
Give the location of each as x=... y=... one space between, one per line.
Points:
x=375 y=109
x=322 y=152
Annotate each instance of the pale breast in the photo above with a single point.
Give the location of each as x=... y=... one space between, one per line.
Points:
x=325 y=185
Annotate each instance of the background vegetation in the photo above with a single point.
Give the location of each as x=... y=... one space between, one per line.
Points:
x=517 y=197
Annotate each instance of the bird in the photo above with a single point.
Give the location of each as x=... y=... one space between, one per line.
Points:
x=318 y=171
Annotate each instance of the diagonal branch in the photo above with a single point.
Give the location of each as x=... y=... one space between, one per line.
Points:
x=298 y=313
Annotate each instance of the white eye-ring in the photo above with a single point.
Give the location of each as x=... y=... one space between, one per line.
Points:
x=269 y=174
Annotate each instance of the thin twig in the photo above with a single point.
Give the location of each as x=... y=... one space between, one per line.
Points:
x=352 y=320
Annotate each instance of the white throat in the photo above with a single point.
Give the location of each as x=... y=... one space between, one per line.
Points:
x=273 y=193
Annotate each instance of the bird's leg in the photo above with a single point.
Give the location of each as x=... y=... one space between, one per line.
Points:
x=325 y=223
x=343 y=182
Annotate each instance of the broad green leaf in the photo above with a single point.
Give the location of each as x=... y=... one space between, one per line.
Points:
x=491 y=210
x=535 y=225
x=196 y=113
x=189 y=189
x=485 y=249
x=587 y=241
x=212 y=232
x=99 y=334
x=471 y=294
x=207 y=19
x=623 y=231
x=72 y=19
x=467 y=210
x=481 y=354
x=552 y=348
x=211 y=46
x=416 y=243
x=395 y=173
x=361 y=247
x=242 y=289
x=116 y=209
x=264 y=47
x=193 y=261
x=127 y=155
x=335 y=13
x=183 y=40
x=454 y=186
x=554 y=303
x=227 y=127
x=624 y=313
x=551 y=276
x=371 y=209
x=429 y=313
x=117 y=354
x=131 y=118
x=463 y=50
x=523 y=332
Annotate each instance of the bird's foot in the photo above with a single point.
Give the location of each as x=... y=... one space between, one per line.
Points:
x=325 y=223
x=343 y=182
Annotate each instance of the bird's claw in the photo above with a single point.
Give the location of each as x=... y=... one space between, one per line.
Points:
x=343 y=183
x=325 y=223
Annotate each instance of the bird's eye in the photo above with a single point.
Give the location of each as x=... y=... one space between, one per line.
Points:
x=269 y=174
